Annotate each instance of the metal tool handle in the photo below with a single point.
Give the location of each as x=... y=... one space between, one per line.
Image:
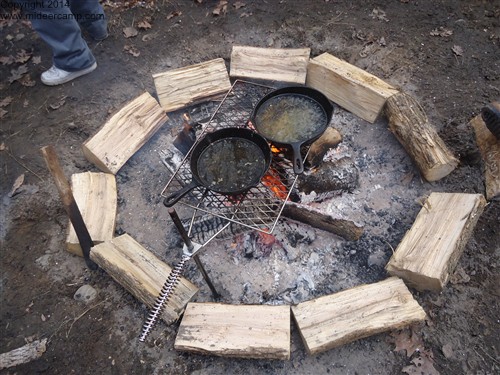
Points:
x=165 y=294
x=180 y=228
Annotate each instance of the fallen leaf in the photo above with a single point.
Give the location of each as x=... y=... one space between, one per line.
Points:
x=59 y=103
x=239 y=4
x=382 y=41
x=173 y=14
x=22 y=56
x=423 y=364
x=43 y=318
x=441 y=31
x=457 y=50
x=407 y=340
x=144 y=25
x=27 y=81
x=2 y=146
x=3 y=112
x=148 y=37
x=6 y=101
x=16 y=74
x=19 y=37
x=130 y=32
x=221 y=8
x=132 y=50
x=379 y=14
x=6 y=60
x=245 y=14
x=36 y=60
x=17 y=184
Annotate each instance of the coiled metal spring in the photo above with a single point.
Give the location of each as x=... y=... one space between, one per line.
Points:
x=166 y=292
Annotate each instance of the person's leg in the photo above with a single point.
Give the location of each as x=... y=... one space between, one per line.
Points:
x=59 y=29
x=90 y=15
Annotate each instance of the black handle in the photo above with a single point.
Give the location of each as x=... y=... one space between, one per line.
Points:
x=180 y=228
x=298 y=163
x=175 y=197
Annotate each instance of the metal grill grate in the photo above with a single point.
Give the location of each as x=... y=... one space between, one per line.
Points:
x=261 y=206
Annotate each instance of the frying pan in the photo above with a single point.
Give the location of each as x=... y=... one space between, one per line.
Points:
x=292 y=117
x=227 y=161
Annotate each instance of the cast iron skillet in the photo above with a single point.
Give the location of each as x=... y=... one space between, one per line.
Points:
x=227 y=161
x=292 y=117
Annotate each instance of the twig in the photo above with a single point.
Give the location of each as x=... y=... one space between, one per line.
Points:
x=81 y=315
x=24 y=166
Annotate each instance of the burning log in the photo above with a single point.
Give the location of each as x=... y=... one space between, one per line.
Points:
x=189 y=85
x=430 y=250
x=270 y=64
x=409 y=123
x=124 y=133
x=329 y=139
x=142 y=274
x=95 y=194
x=489 y=146
x=244 y=331
x=311 y=216
x=331 y=321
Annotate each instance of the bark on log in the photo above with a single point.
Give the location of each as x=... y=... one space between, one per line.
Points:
x=410 y=125
x=24 y=354
x=308 y=215
x=489 y=146
x=330 y=321
x=430 y=250
x=243 y=331
x=329 y=139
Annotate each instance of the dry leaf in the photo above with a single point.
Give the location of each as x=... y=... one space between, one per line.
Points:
x=148 y=37
x=144 y=25
x=43 y=318
x=457 y=50
x=16 y=74
x=407 y=340
x=441 y=31
x=221 y=8
x=17 y=184
x=23 y=56
x=130 y=32
x=379 y=14
x=3 y=112
x=6 y=101
x=423 y=364
x=6 y=60
x=19 y=37
x=173 y=14
x=36 y=60
x=132 y=50
x=245 y=14
x=27 y=81
x=59 y=103
x=2 y=146
x=239 y=4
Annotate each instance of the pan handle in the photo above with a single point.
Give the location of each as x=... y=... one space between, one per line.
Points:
x=298 y=163
x=175 y=197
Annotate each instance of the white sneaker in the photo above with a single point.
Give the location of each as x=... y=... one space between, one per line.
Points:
x=55 y=76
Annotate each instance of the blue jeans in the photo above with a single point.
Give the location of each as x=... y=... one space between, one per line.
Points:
x=58 y=24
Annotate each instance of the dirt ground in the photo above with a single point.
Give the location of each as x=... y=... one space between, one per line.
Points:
x=445 y=53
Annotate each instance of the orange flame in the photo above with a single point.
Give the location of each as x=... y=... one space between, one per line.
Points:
x=273 y=182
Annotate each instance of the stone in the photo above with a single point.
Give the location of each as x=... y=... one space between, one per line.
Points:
x=85 y=294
